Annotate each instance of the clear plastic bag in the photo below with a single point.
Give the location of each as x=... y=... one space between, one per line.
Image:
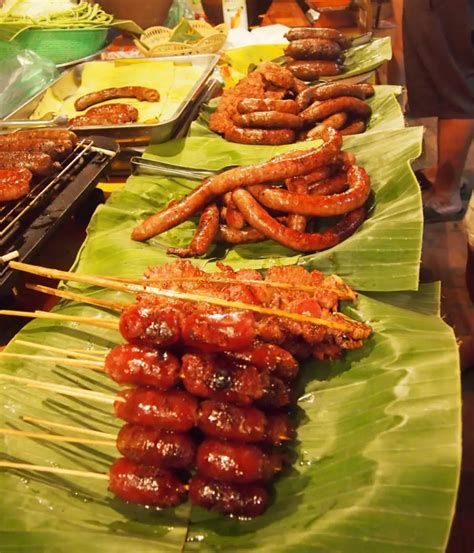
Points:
x=23 y=74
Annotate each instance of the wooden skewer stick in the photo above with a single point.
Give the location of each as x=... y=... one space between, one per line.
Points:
x=115 y=305
x=173 y=294
x=54 y=470
x=71 y=353
x=80 y=363
x=80 y=429
x=110 y=324
x=64 y=390
x=54 y=437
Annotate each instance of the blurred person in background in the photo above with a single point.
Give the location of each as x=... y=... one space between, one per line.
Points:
x=439 y=69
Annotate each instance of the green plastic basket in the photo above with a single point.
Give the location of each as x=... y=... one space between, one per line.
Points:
x=63 y=45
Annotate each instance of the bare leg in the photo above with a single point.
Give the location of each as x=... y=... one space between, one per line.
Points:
x=454 y=139
x=396 y=69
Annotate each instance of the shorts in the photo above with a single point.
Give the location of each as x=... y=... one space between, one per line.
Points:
x=439 y=58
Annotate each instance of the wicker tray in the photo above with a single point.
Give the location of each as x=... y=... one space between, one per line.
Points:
x=155 y=42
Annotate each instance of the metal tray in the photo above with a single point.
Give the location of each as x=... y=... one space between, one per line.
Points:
x=130 y=134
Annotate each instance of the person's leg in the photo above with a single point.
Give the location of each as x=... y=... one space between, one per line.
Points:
x=454 y=138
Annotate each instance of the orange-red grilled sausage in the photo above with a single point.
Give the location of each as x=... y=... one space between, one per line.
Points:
x=44 y=134
x=267 y=137
x=335 y=90
x=14 y=183
x=324 y=109
x=57 y=149
x=248 y=105
x=300 y=33
x=37 y=163
x=139 y=92
x=313 y=49
x=332 y=185
x=268 y=120
x=356 y=127
x=336 y=121
x=311 y=70
x=229 y=235
x=204 y=235
x=109 y=114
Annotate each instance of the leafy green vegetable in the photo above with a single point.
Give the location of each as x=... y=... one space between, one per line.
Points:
x=183 y=32
x=386 y=113
x=383 y=255
x=377 y=456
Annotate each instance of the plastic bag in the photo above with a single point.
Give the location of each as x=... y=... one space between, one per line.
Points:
x=22 y=75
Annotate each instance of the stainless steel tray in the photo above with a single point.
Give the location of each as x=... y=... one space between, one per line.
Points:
x=130 y=134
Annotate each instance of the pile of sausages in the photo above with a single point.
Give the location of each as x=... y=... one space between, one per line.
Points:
x=278 y=200
x=207 y=395
x=314 y=52
x=28 y=154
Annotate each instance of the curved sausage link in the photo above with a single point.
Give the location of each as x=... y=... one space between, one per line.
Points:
x=229 y=235
x=311 y=70
x=204 y=235
x=305 y=242
x=313 y=48
x=356 y=127
x=268 y=120
x=320 y=206
x=310 y=178
x=299 y=33
x=335 y=90
x=332 y=185
x=336 y=121
x=324 y=109
x=249 y=105
x=267 y=137
x=297 y=222
x=141 y=93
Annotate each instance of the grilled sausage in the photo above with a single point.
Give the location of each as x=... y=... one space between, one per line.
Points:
x=43 y=134
x=311 y=70
x=14 y=183
x=249 y=105
x=335 y=90
x=269 y=137
x=141 y=93
x=268 y=120
x=230 y=235
x=301 y=33
x=336 y=121
x=320 y=111
x=313 y=49
x=57 y=149
x=109 y=114
x=356 y=127
x=38 y=163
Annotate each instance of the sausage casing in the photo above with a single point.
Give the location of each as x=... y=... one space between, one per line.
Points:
x=322 y=110
x=356 y=127
x=141 y=93
x=313 y=49
x=14 y=183
x=38 y=163
x=248 y=105
x=268 y=120
x=269 y=137
x=311 y=70
x=300 y=33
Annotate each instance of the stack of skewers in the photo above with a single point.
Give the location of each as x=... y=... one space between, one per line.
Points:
x=210 y=361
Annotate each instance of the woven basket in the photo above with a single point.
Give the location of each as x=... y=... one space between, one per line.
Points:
x=155 y=42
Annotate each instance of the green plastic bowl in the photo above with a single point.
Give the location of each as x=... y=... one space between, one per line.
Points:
x=63 y=45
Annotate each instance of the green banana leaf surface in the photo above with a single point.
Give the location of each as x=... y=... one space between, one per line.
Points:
x=383 y=255
x=358 y=60
x=376 y=460
x=386 y=113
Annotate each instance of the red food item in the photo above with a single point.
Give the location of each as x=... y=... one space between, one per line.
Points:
x=147 y=324
x=144 y=366
x=219 y=331
x=141 y=93
x=38 y=163
x=279 y=429
x=236 y=462
x=14 y=183
x=146 y=485
x=150 y=446
x=218 y=378
x=174 y=411
x=277 y=394
x=230 y=499
x=220 y=419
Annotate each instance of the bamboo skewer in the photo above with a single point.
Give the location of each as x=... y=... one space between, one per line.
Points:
x=85 y=363
x=54 y=470
x=115 y=305
x=64 y=390
x=110 y=324
x=54 y=437
x=172 y=294
x=79 y=429
x=71 y=353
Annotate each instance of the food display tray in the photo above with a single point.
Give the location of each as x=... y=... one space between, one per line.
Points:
x=131 y=134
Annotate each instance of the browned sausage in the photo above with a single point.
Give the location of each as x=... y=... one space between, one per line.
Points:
x=356 y=127
x=260 y=219
x=297 y=222
x=310 y=178
x=313 y=49
x=14 y=183
x=139 y=92
x=300 y=33
x=279 y=168
x=109 y=114
x=335 y=90
x=38 y=163
x=230 y=235
x=204 y=235
x=268 y=120
x=336 y=121
x=57 y=149
x=311 y=70
x=248 y=105
x=299 y=86
x=332 y=185
x=269 y=137
x=320 y=206
x=324 y=109
x=44 y=134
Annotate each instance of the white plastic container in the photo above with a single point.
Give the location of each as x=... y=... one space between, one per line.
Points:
x=235 y=14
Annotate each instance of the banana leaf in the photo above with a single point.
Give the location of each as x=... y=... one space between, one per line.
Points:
x=386 y=113
x=383 y=255
x=359 y=60
x=376 y=460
